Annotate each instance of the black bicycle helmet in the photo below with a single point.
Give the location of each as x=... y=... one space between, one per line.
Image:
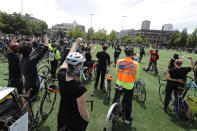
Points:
x=129 y=50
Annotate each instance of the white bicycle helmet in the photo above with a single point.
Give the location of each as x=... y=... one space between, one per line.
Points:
x=75 y=58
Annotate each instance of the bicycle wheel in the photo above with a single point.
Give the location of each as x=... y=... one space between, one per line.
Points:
x=108 y=90
x=112 y=117
x=162 y=91
x=185 y=113
x=47 y=103
x=141 y=91
x=43 y=70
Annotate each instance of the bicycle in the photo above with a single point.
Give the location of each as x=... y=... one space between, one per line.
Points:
x=44 y=68
x=49 y=97
x=179 y=106
x=107 y=83
x=115 y=112
x=91 y=71
x=139 y=90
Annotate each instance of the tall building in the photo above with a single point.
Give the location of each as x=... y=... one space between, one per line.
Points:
x=145 y=25
x=167 y=27
x=66 y=26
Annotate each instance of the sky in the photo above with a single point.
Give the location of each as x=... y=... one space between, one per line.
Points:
x=108 y=13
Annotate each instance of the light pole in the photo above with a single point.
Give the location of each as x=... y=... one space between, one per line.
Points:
x=91 y=18
x=21 y=7
x=123 y=21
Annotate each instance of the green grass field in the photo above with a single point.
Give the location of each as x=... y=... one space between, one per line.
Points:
x=147 y=117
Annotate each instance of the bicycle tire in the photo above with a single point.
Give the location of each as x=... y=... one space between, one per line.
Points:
x=43 y=70
x=162 y=91
x=185 y=113
x=109 y=90
x=111 y=118
x=47 y=98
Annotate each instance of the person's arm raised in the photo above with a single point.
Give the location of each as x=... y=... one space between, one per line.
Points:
x=73 y=49
x=192 y=62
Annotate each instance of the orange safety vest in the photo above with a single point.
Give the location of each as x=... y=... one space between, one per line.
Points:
x=126 y=70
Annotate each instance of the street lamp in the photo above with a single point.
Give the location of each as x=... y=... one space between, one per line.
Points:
x=123 y=21
x=21 y=7
x=91 y=18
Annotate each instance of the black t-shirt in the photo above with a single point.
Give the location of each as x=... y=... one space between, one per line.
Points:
x=28 y=66
x=171 y=63
x=142 y=52
x=117 y=51
x=103 y=59
x=69 y=92
x=88 y=57
x=178 y=73
x=13 y=66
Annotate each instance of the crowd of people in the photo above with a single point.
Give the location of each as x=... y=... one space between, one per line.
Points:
x=25 y=54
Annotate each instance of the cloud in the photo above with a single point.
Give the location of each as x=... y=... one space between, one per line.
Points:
x=108 y=13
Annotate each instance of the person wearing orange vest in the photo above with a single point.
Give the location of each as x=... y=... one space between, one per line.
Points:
x=127 y=72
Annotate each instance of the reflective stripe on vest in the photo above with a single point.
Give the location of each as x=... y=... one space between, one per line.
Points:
x=126 y=70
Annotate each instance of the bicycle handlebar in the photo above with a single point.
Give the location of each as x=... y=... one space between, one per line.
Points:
x=159 y=78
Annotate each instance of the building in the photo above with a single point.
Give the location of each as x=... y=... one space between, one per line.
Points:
x=124 y=32
x=167 y=27
x=66 y=26
x=145 y=25
x=154 y=36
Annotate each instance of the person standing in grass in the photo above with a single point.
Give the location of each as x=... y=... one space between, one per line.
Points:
x=153 y=60
x=127 y=72
x=103 y=62
x=54 y=58
x=116 y=54
x=73 y=114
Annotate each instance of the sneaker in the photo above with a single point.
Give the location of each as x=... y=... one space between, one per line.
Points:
x=128 y=121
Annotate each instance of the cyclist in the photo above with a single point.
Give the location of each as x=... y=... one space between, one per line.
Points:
x=88 y=56
x=176 y=78
x=103 y=62
x=54 y=58
x=15 y=76
x=28 y=65
x=127 y=72
x=116 y=54
x=142 y=53
x=72 y=110
x=153 y=60
x=172 y=60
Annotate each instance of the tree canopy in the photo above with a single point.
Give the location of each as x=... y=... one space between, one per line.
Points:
x=10 y=23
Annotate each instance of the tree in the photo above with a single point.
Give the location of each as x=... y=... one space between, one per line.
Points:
x=10 y=23
x=141 y=39
x=90 y=33
x=173 y=40
x=113 y=36
x=192 y=39
x=101 y=34
x=76 y=32
x=183 y=38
